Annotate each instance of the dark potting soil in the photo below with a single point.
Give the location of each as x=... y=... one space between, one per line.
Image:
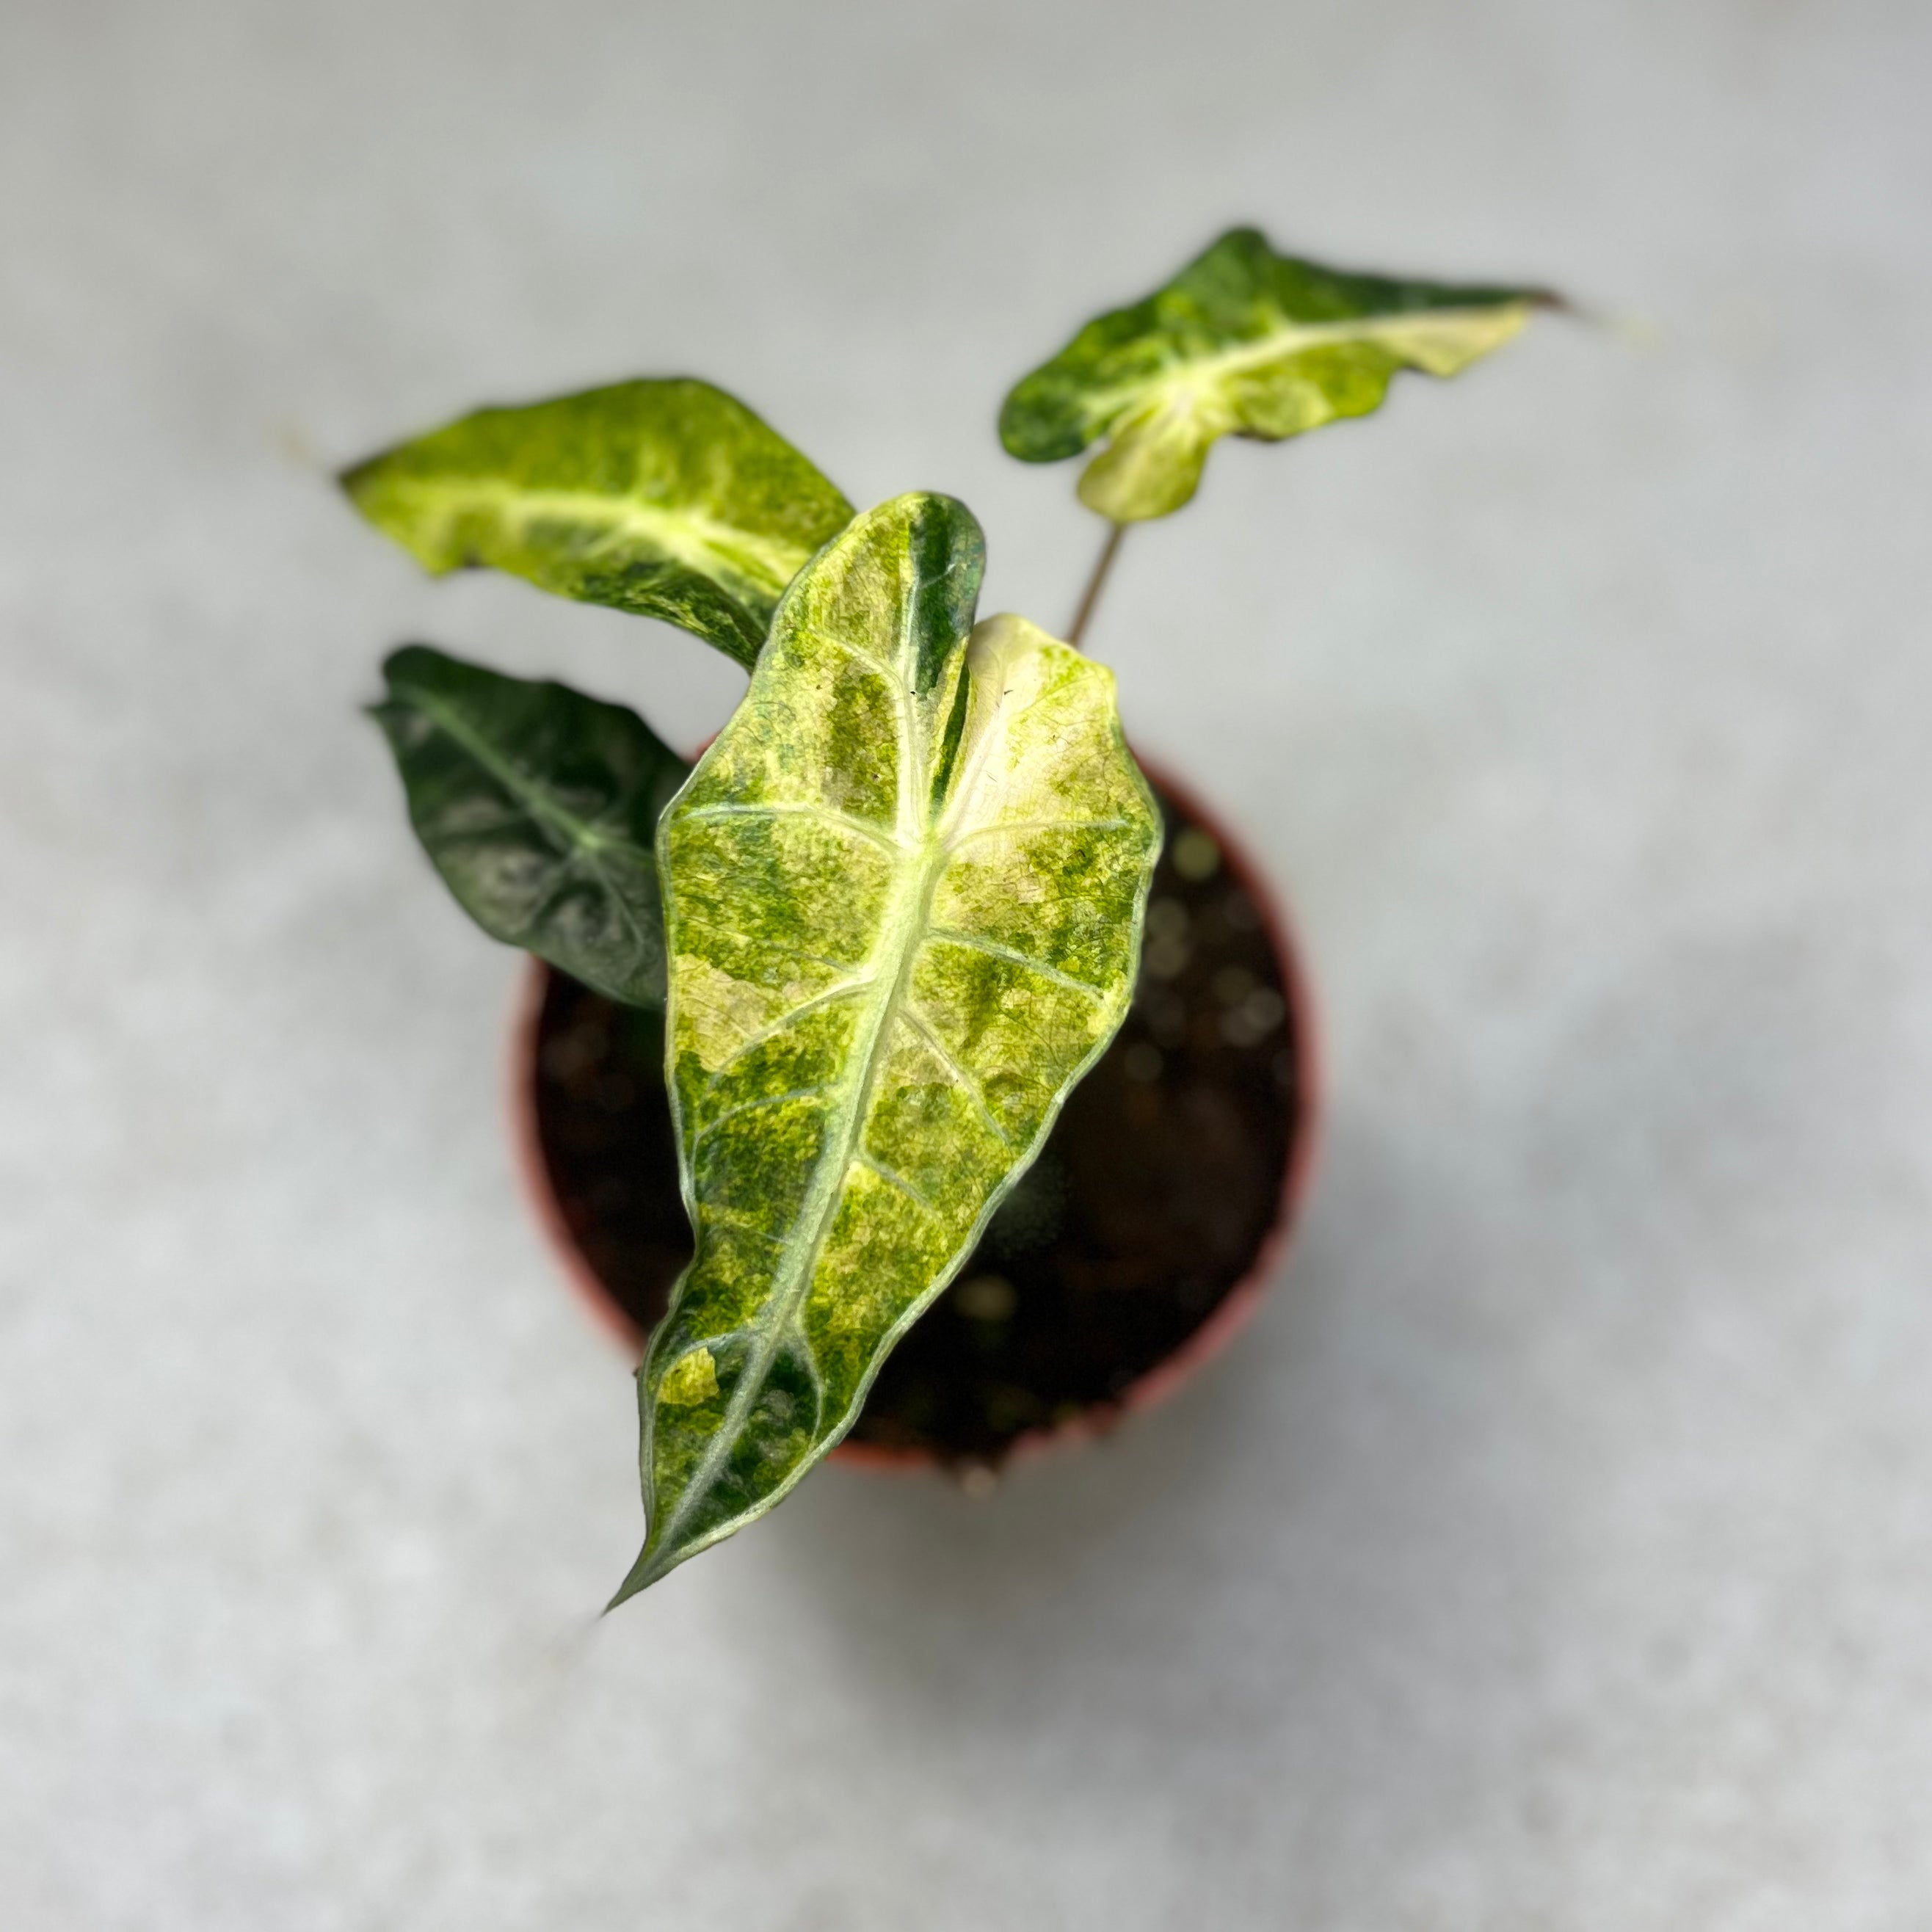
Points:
x=1150 y=1203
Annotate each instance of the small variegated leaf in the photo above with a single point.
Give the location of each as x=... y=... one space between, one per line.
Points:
x=669 y=498
x=539 y=807
x=903 y=894
x=1245 y=341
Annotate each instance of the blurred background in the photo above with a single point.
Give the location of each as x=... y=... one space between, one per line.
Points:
x=1555 y=1551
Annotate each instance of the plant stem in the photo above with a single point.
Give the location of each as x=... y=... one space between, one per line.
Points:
x=1095 y=583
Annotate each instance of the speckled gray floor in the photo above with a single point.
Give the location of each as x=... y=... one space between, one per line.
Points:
x=1555 y=1554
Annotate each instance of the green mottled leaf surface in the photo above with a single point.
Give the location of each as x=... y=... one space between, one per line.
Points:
x=539 y=807
x=669 y=498
x=903 y=893
x=1245 y=341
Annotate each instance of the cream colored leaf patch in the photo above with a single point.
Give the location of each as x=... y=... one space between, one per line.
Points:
x=692 y=1379
x=1245 y=342
x=903 y=900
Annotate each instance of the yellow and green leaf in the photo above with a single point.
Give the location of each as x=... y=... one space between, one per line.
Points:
x=903 y=899
x=539 y=807
x=669 y=498
x=1245 y=342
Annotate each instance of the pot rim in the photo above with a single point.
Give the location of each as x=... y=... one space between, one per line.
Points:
x=1231 y=1314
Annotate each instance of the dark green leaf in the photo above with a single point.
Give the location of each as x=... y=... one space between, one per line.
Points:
x=1242 y=341
x=903 y=891
x=539 y=806
x=669 y=498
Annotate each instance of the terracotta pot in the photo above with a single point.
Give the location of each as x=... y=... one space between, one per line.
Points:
x=1231 y=1307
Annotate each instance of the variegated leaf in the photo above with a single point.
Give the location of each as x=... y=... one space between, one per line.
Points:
x=669 y=498
x=539 y=807
x=903 y=894
x=1242 y=341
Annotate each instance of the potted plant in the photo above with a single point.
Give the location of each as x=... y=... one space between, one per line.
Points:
x=817 y=1007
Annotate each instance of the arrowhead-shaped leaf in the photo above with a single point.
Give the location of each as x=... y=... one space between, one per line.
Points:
x=539 y=806
x=669 y=498
x=1245 y=340
x=903 y=892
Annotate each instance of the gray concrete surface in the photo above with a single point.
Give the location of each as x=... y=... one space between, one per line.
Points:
x=1555 y=1554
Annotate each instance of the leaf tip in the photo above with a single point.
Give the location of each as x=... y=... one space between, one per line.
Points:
x=650 y=1568
x=1629 y=325
x=356 y=480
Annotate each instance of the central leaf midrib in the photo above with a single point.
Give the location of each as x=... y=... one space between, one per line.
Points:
x=909 y=914
x=1290 y=338
x=910 y=910
x=687 y=537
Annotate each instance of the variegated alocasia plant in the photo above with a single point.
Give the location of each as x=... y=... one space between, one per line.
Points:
x=892 y=914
